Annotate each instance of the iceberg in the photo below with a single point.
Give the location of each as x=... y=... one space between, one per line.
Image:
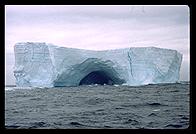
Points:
x=40 y=64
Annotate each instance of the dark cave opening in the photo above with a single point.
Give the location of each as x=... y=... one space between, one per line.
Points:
x=96 y=77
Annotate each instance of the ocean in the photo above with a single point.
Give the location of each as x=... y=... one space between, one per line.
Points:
x=154 y=106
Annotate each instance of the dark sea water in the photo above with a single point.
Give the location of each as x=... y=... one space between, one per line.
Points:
x=161 y=106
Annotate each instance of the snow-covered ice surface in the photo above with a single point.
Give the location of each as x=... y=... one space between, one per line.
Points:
x=47 y=65
x=159 y=106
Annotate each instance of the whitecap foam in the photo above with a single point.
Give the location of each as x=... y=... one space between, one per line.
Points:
x=28 y=88
x=9 y=88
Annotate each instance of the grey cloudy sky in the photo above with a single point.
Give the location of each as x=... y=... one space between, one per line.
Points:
x=99 y=28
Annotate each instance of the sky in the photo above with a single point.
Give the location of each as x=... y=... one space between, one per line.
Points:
x=98 y=27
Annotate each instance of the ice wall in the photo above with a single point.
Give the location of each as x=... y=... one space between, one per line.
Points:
x=47 y=65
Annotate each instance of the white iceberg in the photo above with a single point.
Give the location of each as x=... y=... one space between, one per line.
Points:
x=47 y=65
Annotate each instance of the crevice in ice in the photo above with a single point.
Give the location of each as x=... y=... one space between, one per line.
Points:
x=130 y=61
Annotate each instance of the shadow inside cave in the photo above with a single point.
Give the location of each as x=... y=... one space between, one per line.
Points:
x=96 y=77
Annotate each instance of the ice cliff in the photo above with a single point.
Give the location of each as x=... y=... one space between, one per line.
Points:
x=47 y=65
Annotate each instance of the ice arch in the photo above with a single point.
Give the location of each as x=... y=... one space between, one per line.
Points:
x=91 y=71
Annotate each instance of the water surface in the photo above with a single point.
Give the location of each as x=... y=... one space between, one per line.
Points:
x=161 y=106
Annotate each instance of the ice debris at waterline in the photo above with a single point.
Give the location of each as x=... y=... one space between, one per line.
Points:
x=47 y=65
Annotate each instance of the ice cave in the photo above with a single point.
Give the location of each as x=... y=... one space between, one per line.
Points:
x=96 y=77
